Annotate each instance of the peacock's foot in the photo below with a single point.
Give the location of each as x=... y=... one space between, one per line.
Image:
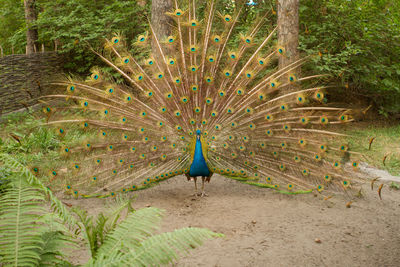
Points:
x=203 y=194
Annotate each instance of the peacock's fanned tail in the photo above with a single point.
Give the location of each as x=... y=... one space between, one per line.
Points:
x=207 y=75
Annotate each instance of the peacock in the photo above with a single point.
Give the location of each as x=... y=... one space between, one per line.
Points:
x=208 y=99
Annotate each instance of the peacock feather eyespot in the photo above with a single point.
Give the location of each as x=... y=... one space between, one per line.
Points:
x=305 y=172
x=163 y=138
x=249 y=74
x=317 y=157
x=141 y=38
x=355 y=164
x=346 y=183
x=336 y=165
x=143 y=114
x=320 y=188
x=252 y=126
x=229 y=110
x=304 y=120
x=318 y=95
x=287 y=128
x=282 y=167
x=262 y=145
x=248 y=40
x=344 y=148
x=133 y=149
x=268 y=179
x=218 y=127
x=227 y=18
x=178 y=12
x=171 y=39
x=324 y=120
x=344 y=118
x=94 y=178
x=177 y=80
x=214 y=113
x=149 y=93
x=163 y=109
x=145 y=139
x=177 y=113
x=178 y=127
x=221 y=93
x=239 y=92
x=209 y=79
x=98 y=161
x=192 y=121
x=204 y=122
x=71 y=88
x=249 y=110
x=225 y=145
x=269 y=117
x=269 y=132
x=160 y=75
x=284 y=107
x=115 y=40
x=283 y=145
x=275 y=154
x=173 y=145
x=297 y=159
x=126 y=60
x=209 y=100
x=327 y=178
x=323 y=148
x=184 y=99
x=110 y=147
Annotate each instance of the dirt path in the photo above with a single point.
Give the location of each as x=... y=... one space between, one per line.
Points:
x=264 y=228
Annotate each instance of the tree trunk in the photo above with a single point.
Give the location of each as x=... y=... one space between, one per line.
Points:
x=31 y=32
x=160 y=22
x=288 y=32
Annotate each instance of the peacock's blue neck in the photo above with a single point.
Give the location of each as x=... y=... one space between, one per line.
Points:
x=199 y=165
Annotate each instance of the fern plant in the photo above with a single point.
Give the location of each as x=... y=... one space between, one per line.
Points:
x=29 y=235
x=32 y=236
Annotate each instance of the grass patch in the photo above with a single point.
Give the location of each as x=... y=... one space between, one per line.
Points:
x=385 y=148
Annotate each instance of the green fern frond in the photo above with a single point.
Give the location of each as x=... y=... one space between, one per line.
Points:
x=20 y=236
x=56 y=239
x=166 y=248
x=157 y=250
x=137 y=226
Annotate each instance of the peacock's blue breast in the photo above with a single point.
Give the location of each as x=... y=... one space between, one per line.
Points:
x=199 y=165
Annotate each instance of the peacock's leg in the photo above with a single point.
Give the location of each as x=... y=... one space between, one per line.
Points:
x=203 y=179
x=195 y=185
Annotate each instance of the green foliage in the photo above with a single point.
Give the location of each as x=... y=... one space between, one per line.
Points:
x=359 y=42
x=76 y=24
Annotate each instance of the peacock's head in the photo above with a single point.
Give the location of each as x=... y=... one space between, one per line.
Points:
x=198 y=133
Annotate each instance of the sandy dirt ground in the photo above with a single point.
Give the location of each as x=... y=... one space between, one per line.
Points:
x=264 y=228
